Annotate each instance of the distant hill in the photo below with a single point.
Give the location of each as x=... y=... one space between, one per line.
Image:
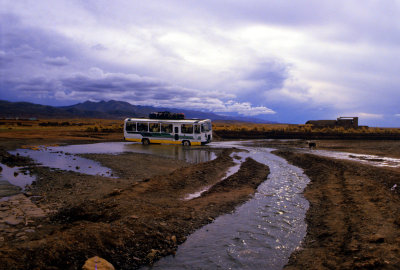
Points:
x=27 y=109
x=104 y=109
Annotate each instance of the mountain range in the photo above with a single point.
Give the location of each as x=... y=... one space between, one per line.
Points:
x=111 y=109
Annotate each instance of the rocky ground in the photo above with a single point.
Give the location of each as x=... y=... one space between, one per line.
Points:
x=354 y=216
x=65 y=218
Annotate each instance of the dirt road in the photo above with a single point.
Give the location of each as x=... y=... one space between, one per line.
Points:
x=354 y=216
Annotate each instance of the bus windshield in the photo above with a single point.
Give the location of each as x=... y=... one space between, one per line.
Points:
x=205 y=127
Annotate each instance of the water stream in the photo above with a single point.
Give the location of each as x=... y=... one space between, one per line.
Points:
x=260 y=234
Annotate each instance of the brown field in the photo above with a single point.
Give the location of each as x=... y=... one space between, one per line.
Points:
x=246 y=127
x=241 y=130
x=16 y=132
x=233 y=126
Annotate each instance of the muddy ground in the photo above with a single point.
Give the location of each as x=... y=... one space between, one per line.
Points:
x=379 y=148
x=354 y=216
x=386 y=148
x=66 y=217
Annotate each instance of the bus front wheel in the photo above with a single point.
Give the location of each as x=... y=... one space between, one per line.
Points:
x=186 y=143
x=145 y=142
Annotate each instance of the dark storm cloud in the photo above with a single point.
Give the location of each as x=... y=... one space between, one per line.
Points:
x=100 y=85
x=30 y=86
x=272 y=74
x=82 y=83
x=99 y=47
x=115 y=83
x=4 y=59
x=262 y=78
x=27 y=51
x=30 y=42
x=57 y=61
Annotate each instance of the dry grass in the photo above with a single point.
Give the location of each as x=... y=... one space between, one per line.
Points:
x=289 y=128
x=60 y=128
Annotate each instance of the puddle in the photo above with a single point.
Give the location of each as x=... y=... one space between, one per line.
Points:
x=373 y=160
x=260 y=234
x=65 y=157
x=64 y=161
x=16 y=176
x=13 y=180
x=188 y=154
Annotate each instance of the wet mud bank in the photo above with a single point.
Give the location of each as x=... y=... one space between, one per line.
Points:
x=14 y=166
x=130 y=221
x=354 y=215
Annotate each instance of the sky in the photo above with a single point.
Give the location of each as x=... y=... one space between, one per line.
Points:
x=287 y=61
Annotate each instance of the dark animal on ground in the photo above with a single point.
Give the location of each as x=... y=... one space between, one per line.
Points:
x=312 y=145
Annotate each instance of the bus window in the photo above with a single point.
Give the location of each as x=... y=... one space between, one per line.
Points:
x=187 y=128
x=143 y=127
x=130 y=126
x=167 y=128
x=154 y=127
x=197 y=129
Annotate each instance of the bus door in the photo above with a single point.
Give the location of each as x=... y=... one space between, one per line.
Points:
x=176 y=131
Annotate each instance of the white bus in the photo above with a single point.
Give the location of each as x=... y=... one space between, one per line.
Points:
x=171 y=131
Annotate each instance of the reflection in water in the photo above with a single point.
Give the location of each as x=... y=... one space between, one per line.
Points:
x=188 y=154
x=261 y=234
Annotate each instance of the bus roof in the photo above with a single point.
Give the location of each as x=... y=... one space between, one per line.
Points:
x=184 y=121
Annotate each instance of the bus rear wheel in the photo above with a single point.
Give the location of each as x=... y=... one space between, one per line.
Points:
x=145 y=142
x=186 y=143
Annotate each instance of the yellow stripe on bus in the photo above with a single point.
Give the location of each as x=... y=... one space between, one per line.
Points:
x=133 y=140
